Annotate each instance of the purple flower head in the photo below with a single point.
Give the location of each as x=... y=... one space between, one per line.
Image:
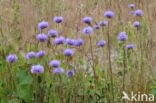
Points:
x=96 y=27
x=79 y=42
x=130 y=46
x=136 y=24
x=37 y=69
x=109 y=14
x=55 y=63
x=122 y=36
x=42 y=37
x=11 y=58
x=87 y=20
x=103 y=23
x=70 y=73
x=43 y=25
x=138 y=12
x=59 y=40
x=58 y=19
x=101 y=43
x=58 y=70
x=132 y=6
x=30 y=55
x=68 y=52
x=53 y=33
x=87 y=30
x=131 y=13
x=70 y=41
x=40 y=53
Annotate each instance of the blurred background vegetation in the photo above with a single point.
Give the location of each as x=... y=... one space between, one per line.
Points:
x=18 y=27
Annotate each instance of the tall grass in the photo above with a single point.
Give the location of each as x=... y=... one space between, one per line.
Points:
x=101 y=74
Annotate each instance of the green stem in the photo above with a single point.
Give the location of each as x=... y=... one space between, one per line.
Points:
x=124 y=66
x=110 y=63
x=93 y=65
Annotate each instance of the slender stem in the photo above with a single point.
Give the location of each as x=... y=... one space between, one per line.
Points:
x=11 y=78
x=124 y=65
x=1 y=32
x=91 y=49
x=110 y=63
x=141 y=40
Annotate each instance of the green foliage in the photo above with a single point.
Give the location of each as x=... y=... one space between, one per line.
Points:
x=19 y=85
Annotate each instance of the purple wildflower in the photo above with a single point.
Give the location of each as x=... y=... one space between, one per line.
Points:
x=122 y=36
x=79 y=42
x=11 y=58
x=58 y=19
x=87 y=20
x=136 y=24
x=130 y=46
x=58 y=70
x=37 y=69
x=101 y=43
x=131 y=13
x=42 y=37
x=55 y=63
x=70 y=41
x=138 y=12
x=59 y=40
x=109 y=14
x=70 y=73
x=132 y=6
x=53 y=33
x=96 y=27
x=43 y=25
x=30 y=55
x=103 y=23
x=87 y=30
x=68 y=52
x=40 y=53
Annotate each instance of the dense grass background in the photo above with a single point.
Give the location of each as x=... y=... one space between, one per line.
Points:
x=18 y=28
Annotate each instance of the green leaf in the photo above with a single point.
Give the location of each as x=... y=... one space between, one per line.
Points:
x=24 y=78
x=26 y=93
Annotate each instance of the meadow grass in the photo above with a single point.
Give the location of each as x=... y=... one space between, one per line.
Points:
x=92 y=74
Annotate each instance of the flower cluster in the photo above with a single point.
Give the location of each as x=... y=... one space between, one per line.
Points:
x=38 y=54
x=58 y=39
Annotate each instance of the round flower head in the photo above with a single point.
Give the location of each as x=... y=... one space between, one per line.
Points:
x=43 y=25
x=69 y=41
x=122 y=36
x=103 y=23
x=70 y=73
x=58 y=70
x=53 y=33
x=11 y=58
x=131 y=13
x=138 y=12
x=130 y=46
x=87 y=30
x=40 y=54
x=136 y=24
x=96 y=27
x=68 y=52
x=79 y=42
x=132 y=6
x=37 y=69
x=55 y=63
x=87 y=20
x=109 y=14
x=59 y=40
x=42 y=37
x=58 y=19
x=101 y=43
x=30 y=55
